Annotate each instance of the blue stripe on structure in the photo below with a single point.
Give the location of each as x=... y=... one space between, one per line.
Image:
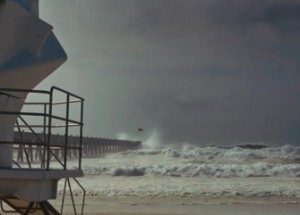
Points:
x=52 y=50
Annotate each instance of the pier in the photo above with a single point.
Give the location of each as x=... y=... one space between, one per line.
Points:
x=91 y=146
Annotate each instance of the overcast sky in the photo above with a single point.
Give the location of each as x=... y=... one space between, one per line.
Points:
x=197 y=71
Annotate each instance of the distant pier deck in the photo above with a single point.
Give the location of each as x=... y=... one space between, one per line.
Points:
x=91 y=146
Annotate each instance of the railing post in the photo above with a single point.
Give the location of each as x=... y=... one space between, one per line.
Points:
x=66 y=131
x=49 y=128
x=80 y=135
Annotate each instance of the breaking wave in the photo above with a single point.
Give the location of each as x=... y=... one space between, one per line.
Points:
x=214 y=153
x=191 y=161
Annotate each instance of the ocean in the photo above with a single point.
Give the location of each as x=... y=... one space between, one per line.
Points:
x=191 y=172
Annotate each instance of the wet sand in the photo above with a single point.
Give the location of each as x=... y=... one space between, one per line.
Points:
x=188 y=206
x=181 y=206
x=200 y=210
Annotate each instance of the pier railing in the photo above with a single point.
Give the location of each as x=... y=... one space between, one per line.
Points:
x=91 y=146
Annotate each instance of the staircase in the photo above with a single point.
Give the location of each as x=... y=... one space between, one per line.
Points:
x=26 y=207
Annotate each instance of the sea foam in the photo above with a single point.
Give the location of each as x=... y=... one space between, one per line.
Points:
x=191 y=161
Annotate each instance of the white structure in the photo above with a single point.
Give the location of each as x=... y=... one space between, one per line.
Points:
x=29 y=52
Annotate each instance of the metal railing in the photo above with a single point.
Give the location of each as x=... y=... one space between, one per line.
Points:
x=47 y=115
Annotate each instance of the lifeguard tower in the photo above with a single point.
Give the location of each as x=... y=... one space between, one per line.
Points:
x=29 y=52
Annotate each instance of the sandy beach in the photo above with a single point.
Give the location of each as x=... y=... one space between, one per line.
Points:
x=195 y=206
x=183 y=206
x=197 y=181
x=192 y=181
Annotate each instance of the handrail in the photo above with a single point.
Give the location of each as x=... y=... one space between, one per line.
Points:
x=47 y=125
x=64 y=91
x=8 y=95
x=24 y=90
x=39 y=114
x=54 y=103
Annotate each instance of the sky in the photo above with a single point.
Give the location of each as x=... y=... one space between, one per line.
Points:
x=187 y=71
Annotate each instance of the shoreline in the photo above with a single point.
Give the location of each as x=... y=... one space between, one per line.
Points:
x=193 y=200
x=125 y=205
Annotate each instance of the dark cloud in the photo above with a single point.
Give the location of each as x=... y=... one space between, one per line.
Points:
x=245 y=13
x=214 y=71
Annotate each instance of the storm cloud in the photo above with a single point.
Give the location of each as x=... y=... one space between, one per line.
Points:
x=211 y=71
